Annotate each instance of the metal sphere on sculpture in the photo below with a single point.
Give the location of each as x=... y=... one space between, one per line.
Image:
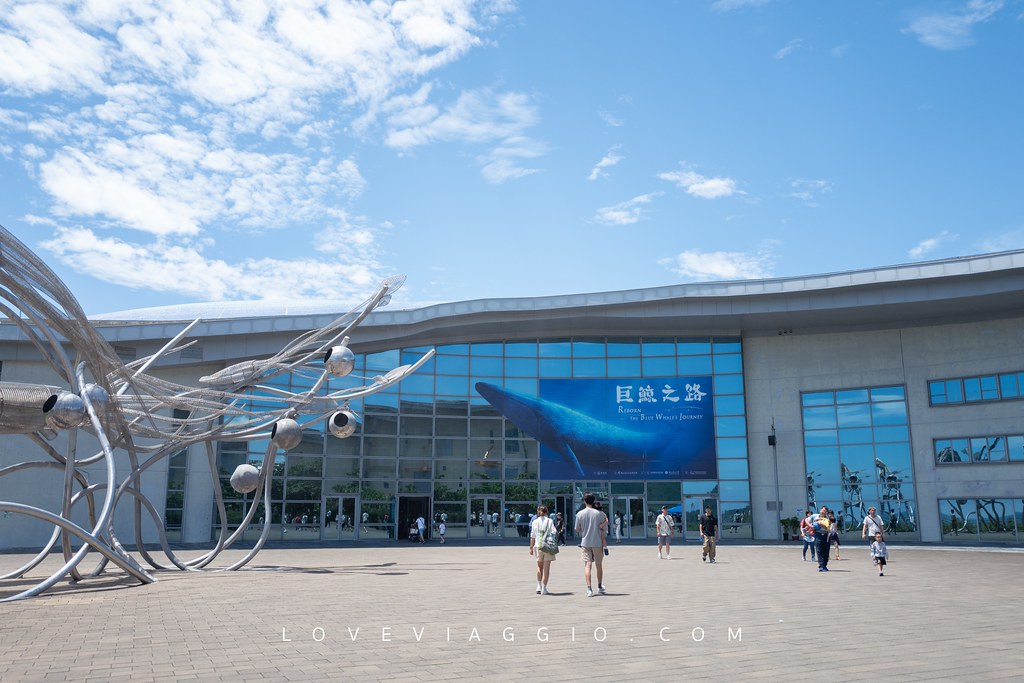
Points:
x=286 y=434
x=245 y=479
x=342 y=424
x=339 y=360
x=97 y=395
x=65 y=410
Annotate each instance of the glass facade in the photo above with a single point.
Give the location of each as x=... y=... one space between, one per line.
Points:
x=979 y=449
x=857 y=455
x=432 y=445
x=959 y=390
x=973 y=520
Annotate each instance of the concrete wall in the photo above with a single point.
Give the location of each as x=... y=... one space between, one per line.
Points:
x=778 y=368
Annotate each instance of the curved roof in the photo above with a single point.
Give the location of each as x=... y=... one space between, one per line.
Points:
x=987 y=286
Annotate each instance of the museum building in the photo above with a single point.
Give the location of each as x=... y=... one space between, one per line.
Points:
x=898 y=388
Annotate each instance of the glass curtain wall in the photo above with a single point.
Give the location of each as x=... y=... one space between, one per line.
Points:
x=432 y=439
x=857 y=454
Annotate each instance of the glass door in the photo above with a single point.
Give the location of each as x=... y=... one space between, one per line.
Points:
x=340 y=523
x=485 y=517
x=626 y=519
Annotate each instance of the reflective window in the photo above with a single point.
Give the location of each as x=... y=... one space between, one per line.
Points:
x=728 y=384
x=620 y=348
x=383 y=361
x=417 y=426
x=522 y=385
x=521 y=349
x=730 y=426
x=418 y=383
x=696 y=365
x=659 y=367
x=988 y=449
x=521 y=367
x=856 y=415
x=820 y=418
x=452 y=365
x=729 y=363
x=653 y=346
x=555 y=349
x=729 y=405
x=733 y=469
x=492 y=349
x=732 y=448
x=452 y=386
x=1015 y=448
x=555 y=367
x=588 y=348
x=694 y=347
x=624 y=367
x=487 y=366
x=453 y=350
x=588 y=367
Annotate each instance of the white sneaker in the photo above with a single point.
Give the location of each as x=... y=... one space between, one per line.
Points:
x=668 y=557
x=659 y=554
x=600 y=589
x=539 y=588
x=544 y=591
x=590 y=592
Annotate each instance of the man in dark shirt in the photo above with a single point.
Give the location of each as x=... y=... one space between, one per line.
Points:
x=708 y=532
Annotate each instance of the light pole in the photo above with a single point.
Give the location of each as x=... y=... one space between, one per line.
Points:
x=775 y=462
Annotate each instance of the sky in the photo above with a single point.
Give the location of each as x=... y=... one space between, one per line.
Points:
x=177 y=151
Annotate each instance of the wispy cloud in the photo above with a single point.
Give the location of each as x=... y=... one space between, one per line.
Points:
x=701 y=186
x=840 y=50
x=731 y=5
x=926 y=246
x=164 y=125
x=953 y=30
x=627 y=212
x=1005 y=241
x=607 y=161
x=808 y=191
x=610 y=119
x=723 y=265
x=792 y=45
x=477 y=117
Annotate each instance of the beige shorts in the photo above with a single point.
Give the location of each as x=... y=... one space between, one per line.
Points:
x=595 y=555
x=544 y=557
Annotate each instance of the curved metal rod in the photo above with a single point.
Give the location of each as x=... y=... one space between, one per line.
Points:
x=92 y=542
x=266 y=527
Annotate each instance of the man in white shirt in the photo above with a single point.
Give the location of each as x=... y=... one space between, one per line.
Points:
x=664 y=525
x=590 y=525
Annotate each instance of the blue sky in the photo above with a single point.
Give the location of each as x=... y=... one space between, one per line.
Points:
x=168 y=152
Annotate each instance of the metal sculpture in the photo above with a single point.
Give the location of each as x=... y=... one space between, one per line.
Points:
x=125 y=408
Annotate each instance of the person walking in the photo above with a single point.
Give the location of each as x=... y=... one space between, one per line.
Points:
x=590 y=527
x=560 y=527
x=664 y=525
x=820 y=524
x=879 y=553
x=421 y=527
x=441 y=528
x=807 y=535
x=709 y=532
x=872 y=525
x=833 y=533
x=541 y=527
x=618 y=527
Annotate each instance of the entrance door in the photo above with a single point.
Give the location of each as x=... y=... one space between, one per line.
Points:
x=485 y=517
x=627 y=518
x=409 y=508
x=340 y=523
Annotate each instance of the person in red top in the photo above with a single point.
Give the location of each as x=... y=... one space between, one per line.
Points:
x=807 y=535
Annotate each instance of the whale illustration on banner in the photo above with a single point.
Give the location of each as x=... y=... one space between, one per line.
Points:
x=675 y=442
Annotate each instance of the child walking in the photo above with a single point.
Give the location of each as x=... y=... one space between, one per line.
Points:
x=440 y=531
x=879 y=553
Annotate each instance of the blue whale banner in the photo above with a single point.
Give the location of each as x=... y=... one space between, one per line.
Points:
x=617 y=429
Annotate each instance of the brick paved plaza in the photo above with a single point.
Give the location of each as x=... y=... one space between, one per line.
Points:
x=459 y=612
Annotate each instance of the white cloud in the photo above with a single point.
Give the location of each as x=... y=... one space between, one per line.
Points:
x=480 y=117
x=627 y=212
x=700 y=186
x=182 y=267
x=808 y=191
x=610 y=119
x=953 y=30
x=43 y=51
x=607 y=161
x=1006 y=241
x=173 y=122
x=789 y=47
x=723 y=265
x=730 y=5
x=929 y=245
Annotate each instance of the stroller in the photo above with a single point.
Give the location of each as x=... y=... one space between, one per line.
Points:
x=414 y=534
